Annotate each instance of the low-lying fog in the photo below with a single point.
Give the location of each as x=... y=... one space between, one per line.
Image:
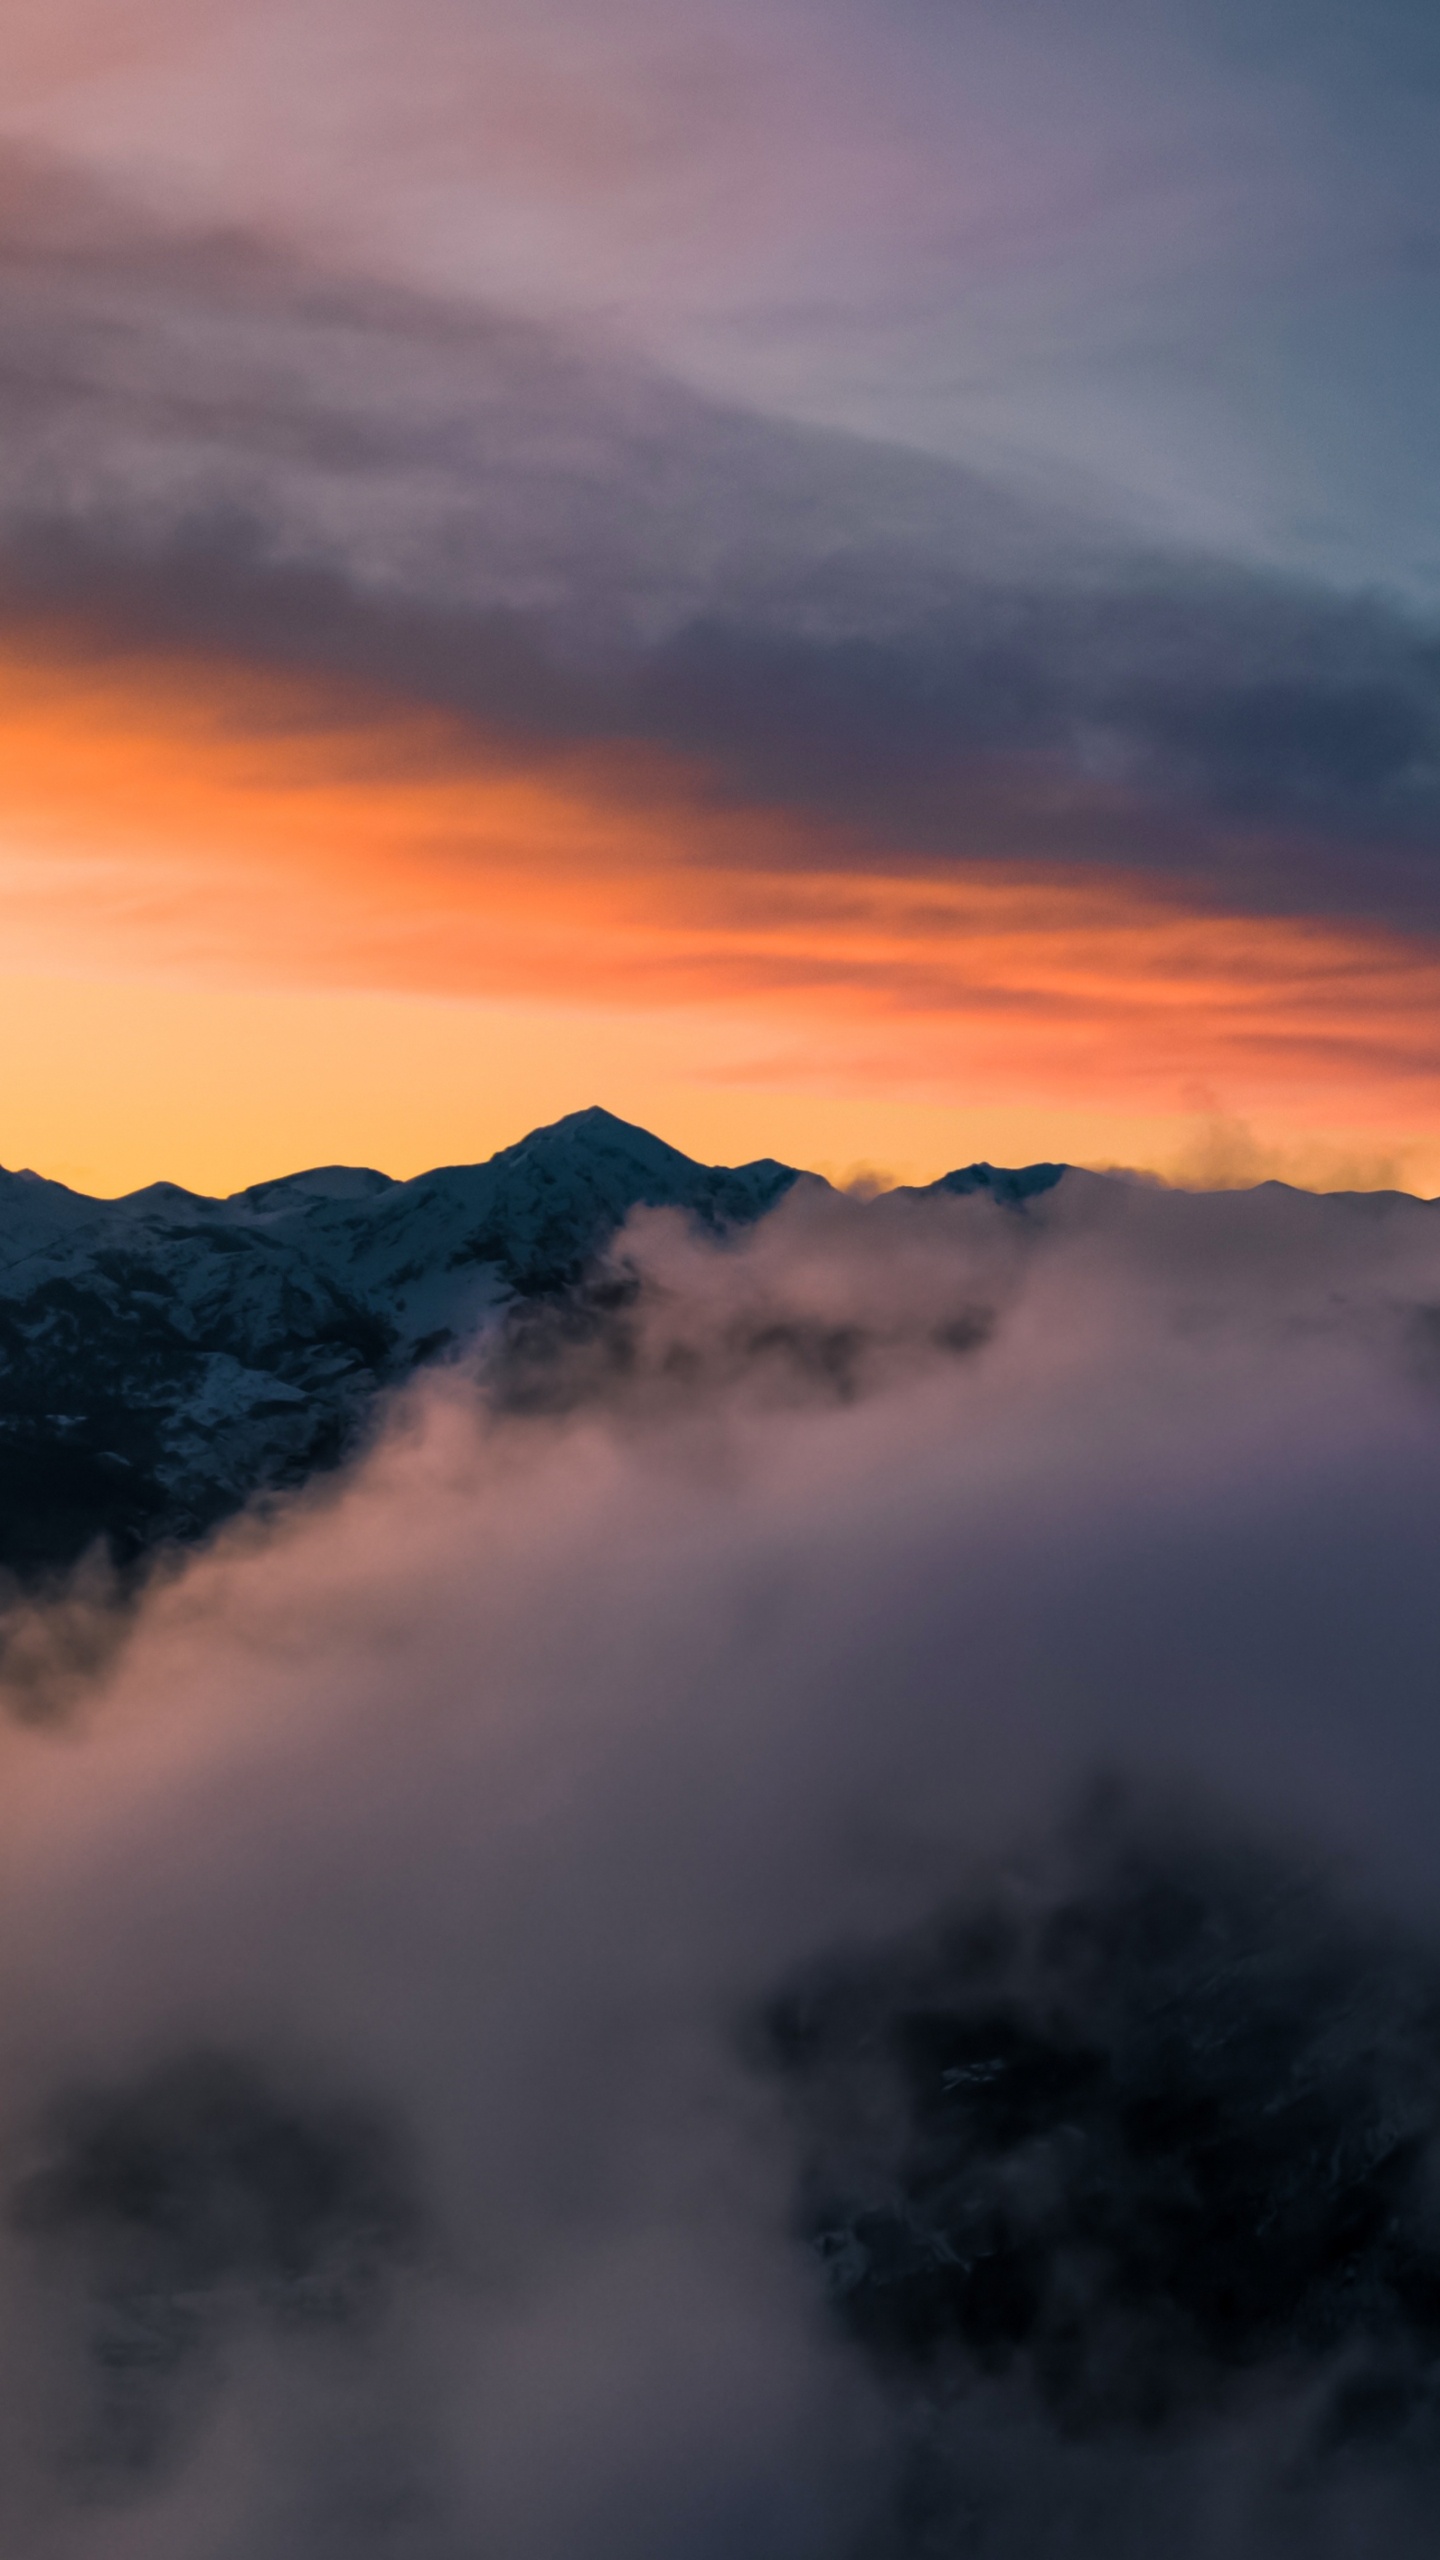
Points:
x=804 y=1921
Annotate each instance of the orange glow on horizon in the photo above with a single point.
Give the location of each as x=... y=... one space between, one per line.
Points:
x=200 y=825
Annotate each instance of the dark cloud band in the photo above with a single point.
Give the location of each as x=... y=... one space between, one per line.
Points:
x=213 y=448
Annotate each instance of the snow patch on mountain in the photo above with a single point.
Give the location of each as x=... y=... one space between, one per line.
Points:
x=165 y=1356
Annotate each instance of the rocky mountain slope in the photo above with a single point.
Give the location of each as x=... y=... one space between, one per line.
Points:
x=1135 y=2138
x=164 y=1356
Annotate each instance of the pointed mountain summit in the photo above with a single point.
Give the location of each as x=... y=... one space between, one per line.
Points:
x=164 y=1356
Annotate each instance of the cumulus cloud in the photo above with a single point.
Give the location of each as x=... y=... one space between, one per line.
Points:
x=406 y=2139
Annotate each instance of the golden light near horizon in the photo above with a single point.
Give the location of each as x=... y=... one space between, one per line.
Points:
x=325 y=911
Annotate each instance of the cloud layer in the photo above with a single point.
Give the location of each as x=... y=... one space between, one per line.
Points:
x=391 y=2162
x=1185 y=253
x=216 y=447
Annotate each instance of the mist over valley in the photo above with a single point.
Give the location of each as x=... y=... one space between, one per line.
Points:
x=759 y=1876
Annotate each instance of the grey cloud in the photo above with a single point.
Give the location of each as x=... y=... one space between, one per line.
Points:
x=1199 y=722
x=1165 y=247
x=210 y=444
x=442 y=457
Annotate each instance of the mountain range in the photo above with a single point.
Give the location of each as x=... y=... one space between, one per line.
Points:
x=165 y=1357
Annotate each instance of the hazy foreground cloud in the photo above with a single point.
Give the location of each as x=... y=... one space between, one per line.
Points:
x=483 y=2067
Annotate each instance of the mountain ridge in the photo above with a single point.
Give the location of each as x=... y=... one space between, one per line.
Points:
x=166 y=1357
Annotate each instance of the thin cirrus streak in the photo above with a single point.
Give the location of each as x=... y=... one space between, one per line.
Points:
x=181 y=819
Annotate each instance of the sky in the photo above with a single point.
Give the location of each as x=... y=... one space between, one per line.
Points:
x=854 y=583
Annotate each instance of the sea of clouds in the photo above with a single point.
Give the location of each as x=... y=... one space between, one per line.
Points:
x=472 y=1939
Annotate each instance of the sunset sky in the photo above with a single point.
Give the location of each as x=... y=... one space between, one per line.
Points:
x=856 y=580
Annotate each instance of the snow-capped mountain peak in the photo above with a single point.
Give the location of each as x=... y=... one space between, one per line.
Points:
x=164 y=1355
